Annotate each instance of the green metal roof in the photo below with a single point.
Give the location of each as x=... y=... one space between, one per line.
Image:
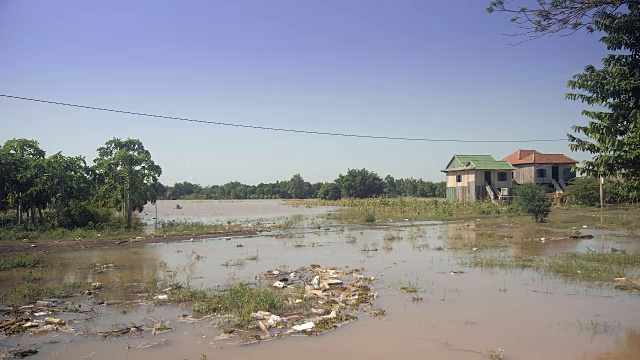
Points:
x=477 y=162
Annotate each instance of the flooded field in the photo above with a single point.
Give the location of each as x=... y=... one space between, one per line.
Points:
x=222 y=211
x=451 y=311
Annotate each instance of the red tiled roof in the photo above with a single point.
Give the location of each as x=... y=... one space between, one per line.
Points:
x=535 y=157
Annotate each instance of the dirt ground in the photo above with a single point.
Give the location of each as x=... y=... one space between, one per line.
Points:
x=69 y=245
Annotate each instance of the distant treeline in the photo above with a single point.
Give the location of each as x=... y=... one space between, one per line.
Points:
x=355 y=183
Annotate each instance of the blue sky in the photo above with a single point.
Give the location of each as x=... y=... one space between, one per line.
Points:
x=412 y=68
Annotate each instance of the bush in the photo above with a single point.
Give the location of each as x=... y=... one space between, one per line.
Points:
x=531 y=199
x=330 y=191
x=81 y=214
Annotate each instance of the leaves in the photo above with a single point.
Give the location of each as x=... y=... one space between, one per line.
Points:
x=613 y=92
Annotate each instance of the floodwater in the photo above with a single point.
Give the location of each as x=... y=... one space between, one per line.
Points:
x=464 y=316
x=222 y=211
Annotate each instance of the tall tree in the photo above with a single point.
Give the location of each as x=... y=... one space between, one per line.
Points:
x=24 y=159
x=127 y=172
x=613 y=92
x=360 y=183
x=298 y=188
x=68 y=178
x=542 y=17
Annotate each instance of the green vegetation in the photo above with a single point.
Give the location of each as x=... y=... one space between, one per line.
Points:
x=32 y=289
x=360 y=184
x=598 y=267
x=330 y=191
x=613 y=95
x=356 y=183
x=531 y=199
x=586 y=191
x=47 y=194
x=22 y=261
x=549 y=17
x=399 y=209
x=240 y=301
x=126 y=172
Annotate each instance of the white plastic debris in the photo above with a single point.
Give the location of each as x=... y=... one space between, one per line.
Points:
x=279 y=284
x=260 y=315
x=316 y=282
x=303 y=327
x=162 y=297
x=273 y=320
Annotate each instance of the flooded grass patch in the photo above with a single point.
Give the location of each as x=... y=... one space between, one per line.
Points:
x=22 y=261
x=595 y=267
x=33 y=290
x=402 y=209
x=241 y=300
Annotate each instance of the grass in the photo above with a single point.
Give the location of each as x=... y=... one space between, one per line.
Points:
x=22 y=261
x=401 y=209
x=240 y=301
x=32 y=290
x=175 y=227
x=595 y=267
x=237 y=262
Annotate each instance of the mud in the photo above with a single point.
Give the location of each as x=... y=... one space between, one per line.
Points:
x=464 y=315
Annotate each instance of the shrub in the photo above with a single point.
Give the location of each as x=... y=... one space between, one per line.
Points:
x=330 y=191
x=531 y=199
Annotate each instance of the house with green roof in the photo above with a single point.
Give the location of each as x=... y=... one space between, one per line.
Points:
x=478 y=177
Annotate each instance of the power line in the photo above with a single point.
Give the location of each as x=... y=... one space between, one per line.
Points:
x=268 y=128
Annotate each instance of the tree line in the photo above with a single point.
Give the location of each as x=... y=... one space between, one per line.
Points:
x=64 y=191
x=356 y=183
x=47 y=192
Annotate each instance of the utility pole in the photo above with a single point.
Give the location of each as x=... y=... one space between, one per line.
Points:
x=601 y=197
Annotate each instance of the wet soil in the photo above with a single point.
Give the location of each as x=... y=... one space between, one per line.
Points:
x=24 y=247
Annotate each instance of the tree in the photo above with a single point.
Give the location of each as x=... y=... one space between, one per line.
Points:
x=556 y=16
x=613 y=134
x=23 y=159
x=360 y=184
x=127 y=173
x=390 y=187
x=531 y=199
x=330 y=191
x=68 y=178
x=298 y=188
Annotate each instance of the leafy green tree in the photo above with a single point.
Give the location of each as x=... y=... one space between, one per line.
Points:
x=584 y=190
x=613 y=92
x=24 y=160
x=298 y=188
x=330 y=191
x=390 y=187
x=127 y=173
x=68 y=178
x=542 y=17
x=531 y=199
x=360 y=183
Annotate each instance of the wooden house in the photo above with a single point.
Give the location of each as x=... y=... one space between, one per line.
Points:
x=550 y=171
x=478 y=177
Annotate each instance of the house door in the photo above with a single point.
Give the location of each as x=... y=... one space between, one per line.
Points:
x=487 y=177
x=555 y=173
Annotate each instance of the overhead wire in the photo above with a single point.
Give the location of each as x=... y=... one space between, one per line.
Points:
x=269 y=128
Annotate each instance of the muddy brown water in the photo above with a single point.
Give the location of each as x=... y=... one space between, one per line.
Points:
x=527 y=314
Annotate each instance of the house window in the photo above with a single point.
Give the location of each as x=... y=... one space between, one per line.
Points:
x=458 y=178
x=541 y=173
x=502 y=176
